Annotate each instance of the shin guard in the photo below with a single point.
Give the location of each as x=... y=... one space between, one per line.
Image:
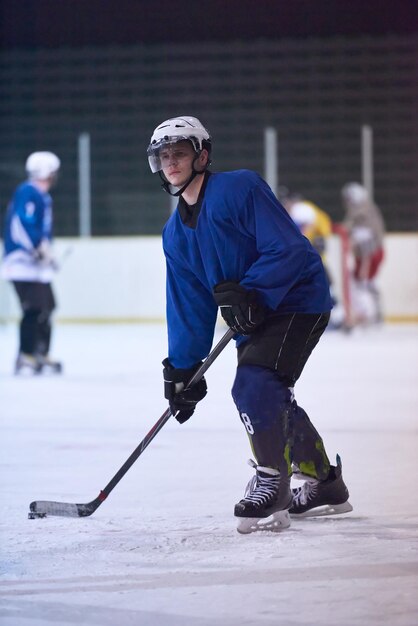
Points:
x=264 y=404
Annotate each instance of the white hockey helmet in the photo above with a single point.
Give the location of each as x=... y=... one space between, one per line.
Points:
x=354 y=193
x=302 y=214
x=174 y=130
x=42 y=165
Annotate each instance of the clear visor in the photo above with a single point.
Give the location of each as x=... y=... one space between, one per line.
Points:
x=154 y=150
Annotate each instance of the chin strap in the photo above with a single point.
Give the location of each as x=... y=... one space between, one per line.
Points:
x=167 y=187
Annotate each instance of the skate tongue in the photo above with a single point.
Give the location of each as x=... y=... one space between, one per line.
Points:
x=265 y=470
x=268 y=470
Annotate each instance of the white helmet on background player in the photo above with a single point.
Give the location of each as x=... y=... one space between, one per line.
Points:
x=303 y=214
x=354 y=193
x=184 y=128
x=42 y=165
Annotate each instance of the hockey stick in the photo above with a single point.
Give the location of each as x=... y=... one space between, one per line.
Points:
x=42 y=508
x=64 y=256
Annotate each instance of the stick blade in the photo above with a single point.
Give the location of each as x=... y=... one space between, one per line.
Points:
x=43 y=508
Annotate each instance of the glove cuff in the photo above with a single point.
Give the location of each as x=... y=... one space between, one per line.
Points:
x=230 y=293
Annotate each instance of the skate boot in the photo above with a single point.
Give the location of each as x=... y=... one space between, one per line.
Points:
x=266 y=502
x=27 y=364
x=325 y=497
x=49 y=365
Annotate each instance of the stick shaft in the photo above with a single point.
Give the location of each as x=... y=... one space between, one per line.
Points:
x=41 y=508
x=166 y=415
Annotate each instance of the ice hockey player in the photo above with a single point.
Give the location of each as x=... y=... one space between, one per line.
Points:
x=230 y=244
x=366 y=228
x=28 y=261
x=316 y=225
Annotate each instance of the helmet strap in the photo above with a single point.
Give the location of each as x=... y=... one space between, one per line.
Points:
x=167 y=187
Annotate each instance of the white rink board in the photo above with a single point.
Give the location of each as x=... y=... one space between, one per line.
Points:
x=123 y=279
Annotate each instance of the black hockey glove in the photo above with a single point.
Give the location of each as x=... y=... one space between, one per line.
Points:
x=43 y=255
x=182 y=401
x=239 y=307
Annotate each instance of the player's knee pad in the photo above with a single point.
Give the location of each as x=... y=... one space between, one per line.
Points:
x=261 y=398
x=31 y=315
x=44 y=316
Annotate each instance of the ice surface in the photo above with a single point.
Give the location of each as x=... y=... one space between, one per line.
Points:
x=163 y=549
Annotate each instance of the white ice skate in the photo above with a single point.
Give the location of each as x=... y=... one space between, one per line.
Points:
x=27 y=364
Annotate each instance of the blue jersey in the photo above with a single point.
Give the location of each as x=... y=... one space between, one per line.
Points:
x=28 y=223
x=28 y=219
x=238 y=231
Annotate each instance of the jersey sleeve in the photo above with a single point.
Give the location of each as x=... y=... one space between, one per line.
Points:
x=281 y=247
x=191 y=316
x=28 y=227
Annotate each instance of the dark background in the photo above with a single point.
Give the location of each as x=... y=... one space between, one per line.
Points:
x=53 y=23
x=316 y=71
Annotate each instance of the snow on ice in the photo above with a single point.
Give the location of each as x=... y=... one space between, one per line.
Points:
x=163 y=549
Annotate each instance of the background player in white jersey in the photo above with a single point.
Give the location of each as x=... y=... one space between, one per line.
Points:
x=230 y=244
x=28 y=261
x=364 y=222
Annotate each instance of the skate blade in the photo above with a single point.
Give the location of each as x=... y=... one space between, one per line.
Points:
x=275 y=522
x=52 y=368
x=26 y=370
x=51 y=371
x=327 y=509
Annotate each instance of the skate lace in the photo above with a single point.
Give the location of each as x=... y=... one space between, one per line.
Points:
x=303 y=494
x=262 y=489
